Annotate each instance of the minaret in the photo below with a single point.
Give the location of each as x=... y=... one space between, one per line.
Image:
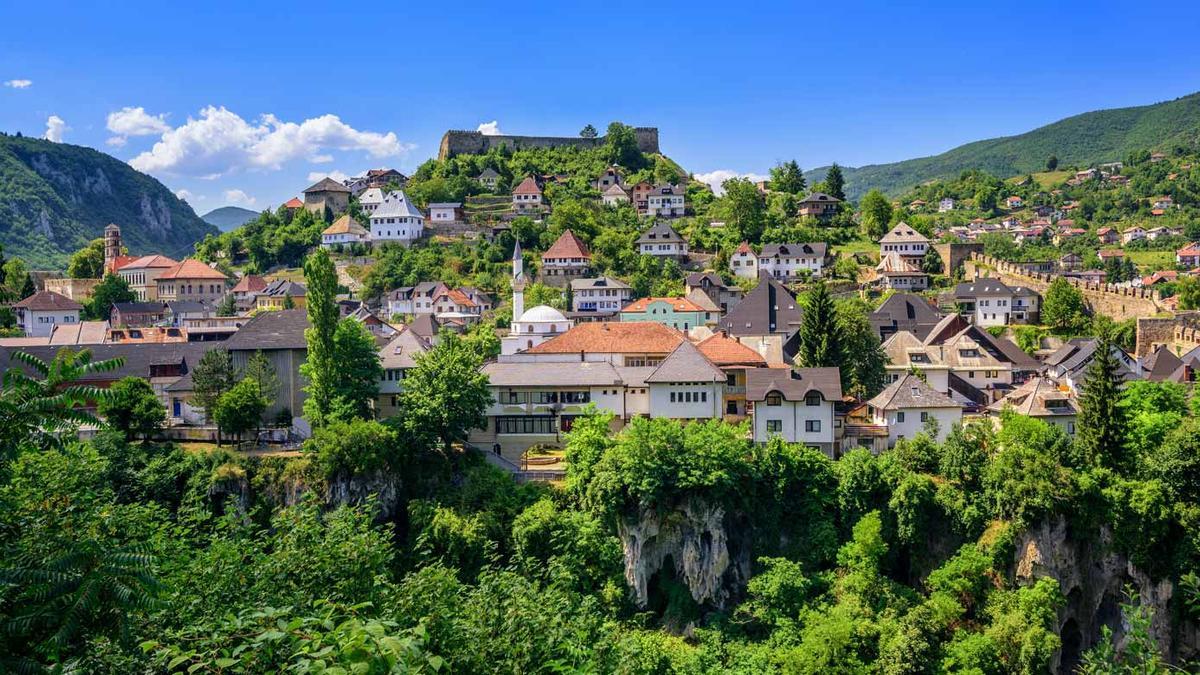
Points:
x=518 y=283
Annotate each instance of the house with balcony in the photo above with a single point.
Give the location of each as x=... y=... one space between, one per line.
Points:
x=527 y=196
x=603 y=296
x=665 y=201
x=820 y=206
x=735 y=360
x=991 y=302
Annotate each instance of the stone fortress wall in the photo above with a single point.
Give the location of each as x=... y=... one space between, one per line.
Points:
x=475 y=143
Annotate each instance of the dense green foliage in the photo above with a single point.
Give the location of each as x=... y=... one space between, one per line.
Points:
x=58 y=197
x=1086 y=139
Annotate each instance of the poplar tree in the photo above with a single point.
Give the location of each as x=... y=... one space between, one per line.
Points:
x=320 y=366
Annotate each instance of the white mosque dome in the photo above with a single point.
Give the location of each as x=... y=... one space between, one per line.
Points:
x=541 y=314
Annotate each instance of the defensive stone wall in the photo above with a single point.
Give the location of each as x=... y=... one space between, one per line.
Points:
x=456 y=142
x=954 y=255
x=1180 y=333
x=1119 y=302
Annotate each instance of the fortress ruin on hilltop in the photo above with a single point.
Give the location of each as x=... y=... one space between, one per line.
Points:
x=475 y=142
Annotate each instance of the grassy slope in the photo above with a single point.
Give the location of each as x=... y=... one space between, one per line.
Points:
x=1099 y=136
x=55 y=197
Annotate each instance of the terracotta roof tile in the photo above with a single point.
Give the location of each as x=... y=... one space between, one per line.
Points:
x=193 y=269
x=635 y=337
x=678 y=304
x=568 y=245
x=726 y=351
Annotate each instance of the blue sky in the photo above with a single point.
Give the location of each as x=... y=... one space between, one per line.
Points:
x=241 y=104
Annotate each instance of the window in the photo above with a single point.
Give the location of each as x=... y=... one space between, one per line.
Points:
x=774 y=399
x=812 y=398
x=774 y=426
x=731 y=379
x=812 y=426
x=512 y=397
x=672 y=397
x=534 y=424
x=900 y=417
x=924 y=417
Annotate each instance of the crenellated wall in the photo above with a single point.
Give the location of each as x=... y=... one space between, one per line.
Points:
x=456 y=142
x=1119 y=302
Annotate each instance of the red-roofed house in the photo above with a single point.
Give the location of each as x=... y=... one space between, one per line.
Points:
x=192 y=280
x=566 y=259
x=527 y=196
x=678 y=313
x=246 y=290
x=142 y=274
x=293 y=204
x=733 y=358
x=1108 y=235
x=1189 y=256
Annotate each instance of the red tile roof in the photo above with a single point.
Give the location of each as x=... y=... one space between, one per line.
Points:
x=636 y=337
x=568 y=246
x=294 y=203
x=678 y=304
x=726 y=351
x=528 y=186
x=48 y=301
x=744 y=248
x=151 y=261
x=250 y=283
x=1111 y=253
x=192 y=269
x=119 y=262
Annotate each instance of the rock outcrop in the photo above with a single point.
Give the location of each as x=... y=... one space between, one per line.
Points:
x=696 y=543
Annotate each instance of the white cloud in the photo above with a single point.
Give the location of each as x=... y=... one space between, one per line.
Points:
x=19 y=84
x=339 y=176
x=187 y=196
x=55 y=128
x=115 y=141
x=719 y=176
x=489 y=128
x=221 y=142
x=130 y=121
x=239 y=198
x=321 y=159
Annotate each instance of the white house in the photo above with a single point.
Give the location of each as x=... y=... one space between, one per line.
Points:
x=446 y=213
x=603 y=295
x=662 y=240
x=991 y=302
x=788 y=261
x=905 y=241
x=370 y=199
x=527 y=196
x=397 y=219
x=615 y=195
x=41 y=312
x=686 y=385
x=665 y=201
x=744 y=261
x=945 y=205
x=529 y=328
x=345 y=231
x=795 y=404
x=901 y=274
x=1134 y=233
x=908 y=404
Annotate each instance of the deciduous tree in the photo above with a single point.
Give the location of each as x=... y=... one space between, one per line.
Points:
x=132 y=408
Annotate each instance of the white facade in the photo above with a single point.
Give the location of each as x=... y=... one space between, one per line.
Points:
x=608 y=298
x=40 y=323
x=444 y=213
x=370 y=200
x=665 y=249
x=664 y=205
x=342 y=238
x=945 y=205
x=686 y=400
x=534 y=327
x=397 y=219
x=908 y=422
x=810 y=421
x=744 y=263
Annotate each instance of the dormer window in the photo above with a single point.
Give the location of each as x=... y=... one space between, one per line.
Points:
x=774 y=399
x=812 y=398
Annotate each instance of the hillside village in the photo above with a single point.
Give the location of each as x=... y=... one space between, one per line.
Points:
x=537 y=289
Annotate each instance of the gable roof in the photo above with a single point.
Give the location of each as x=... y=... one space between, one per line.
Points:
x=1161 y=364
x=402 y=350
x=609 y=337
x=568 y=245
x=686 y=364
x=698 y=297
x=488 y=172
x=192 y=269
x=903 y=233
x=528 y=186
x=397 y=205
x=819 y=198
x=271 y=330
x=911 y=391
x=530 y=373
x=615 y=190
x=293 y=203
x=326 y=184
x=769 y=308
x=599 y=282
x=150 y=261
x=138 y=357
x=906 y=307
x=1034 y=397
x=250 y=283
x=705 y=278
x=282 y=287
x=48 y=301
x=660 y=232
x=793 y=384
x=893 y=263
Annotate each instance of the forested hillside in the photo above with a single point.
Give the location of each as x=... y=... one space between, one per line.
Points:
x=55 y=198
x=1090 y=138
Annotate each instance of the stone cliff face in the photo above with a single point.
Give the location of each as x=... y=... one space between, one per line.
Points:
x=1093 y=578
x=696 y=543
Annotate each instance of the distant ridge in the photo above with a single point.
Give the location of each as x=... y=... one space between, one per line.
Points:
x=227 y=218
x=56 y=197
x=1089 y=138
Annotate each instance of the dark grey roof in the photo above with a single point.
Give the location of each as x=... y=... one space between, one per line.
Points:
x=981 y=287
x=599 y=282
x=703 y=278
x=535 y=374
x=327 y=185
x=769 y=308
x=789 y=250
x=1074 y=357
x=660 y=232
x=284 y=287
x=906 y=311
x=793 y=385
x=489 y=172
x=1161 y=364
x=181 y=306
x=138 y=307
x=426 y=326
x=271 y=330
x=686 y=364
x=911 y=391
x=138 y=356
x=820 y=197
x=1006 y=350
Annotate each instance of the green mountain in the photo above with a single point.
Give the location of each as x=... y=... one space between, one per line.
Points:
x=56 y=197
x=227 y=218
x=1090 y=138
